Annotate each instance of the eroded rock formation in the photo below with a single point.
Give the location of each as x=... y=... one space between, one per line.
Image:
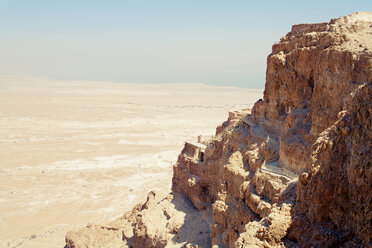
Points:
x=293 y=171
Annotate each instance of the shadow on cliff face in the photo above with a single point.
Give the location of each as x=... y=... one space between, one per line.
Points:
x=333 y=207
x=289 y=194
x=195 y=229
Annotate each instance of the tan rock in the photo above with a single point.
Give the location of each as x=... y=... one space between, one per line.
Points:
x=296 y=169
x=313 y=73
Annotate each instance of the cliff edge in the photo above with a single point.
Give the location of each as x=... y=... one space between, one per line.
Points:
x=294 y=171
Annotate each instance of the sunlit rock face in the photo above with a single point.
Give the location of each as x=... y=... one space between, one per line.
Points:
x=295 y=170
x=318 y=79
x=310 y=75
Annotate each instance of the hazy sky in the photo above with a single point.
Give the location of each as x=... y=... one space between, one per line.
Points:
x=155 y=41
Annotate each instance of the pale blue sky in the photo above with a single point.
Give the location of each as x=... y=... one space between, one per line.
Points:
x=205 y=41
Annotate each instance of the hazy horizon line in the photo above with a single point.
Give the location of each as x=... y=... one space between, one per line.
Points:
x=44 y=77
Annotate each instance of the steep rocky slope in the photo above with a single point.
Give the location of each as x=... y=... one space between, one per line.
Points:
x=293 y=171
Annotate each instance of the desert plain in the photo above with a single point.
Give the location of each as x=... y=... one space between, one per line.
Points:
x=80 y=152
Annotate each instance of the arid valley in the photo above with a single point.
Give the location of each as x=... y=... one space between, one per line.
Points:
x=75 y=152
x=185 y=124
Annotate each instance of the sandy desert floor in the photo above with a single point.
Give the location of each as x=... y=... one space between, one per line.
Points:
x=75 y=152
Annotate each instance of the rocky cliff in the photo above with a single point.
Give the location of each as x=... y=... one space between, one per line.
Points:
x=293 y=171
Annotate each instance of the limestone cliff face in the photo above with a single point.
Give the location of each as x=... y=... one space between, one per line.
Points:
x=334 y=199
x=314 y=122
x=293 y=171
x=310 y=75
